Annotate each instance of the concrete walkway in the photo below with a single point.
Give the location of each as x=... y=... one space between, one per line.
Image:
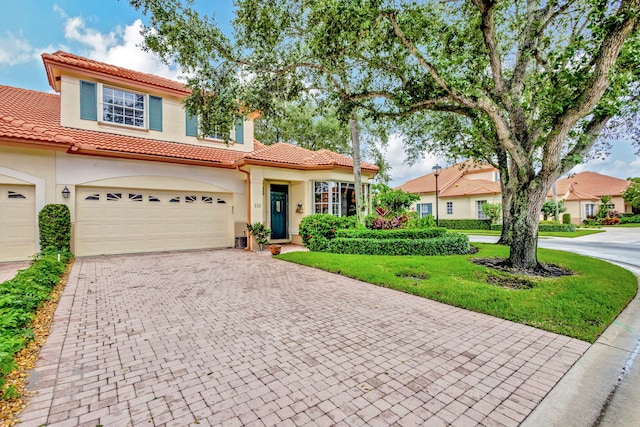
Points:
x=236 y=338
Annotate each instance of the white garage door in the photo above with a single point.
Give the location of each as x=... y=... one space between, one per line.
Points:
x=17 y=222
x=114 y=221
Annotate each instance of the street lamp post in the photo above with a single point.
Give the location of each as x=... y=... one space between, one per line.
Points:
x=436 y=172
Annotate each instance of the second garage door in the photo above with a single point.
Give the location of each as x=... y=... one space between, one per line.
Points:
x=17 y=222
x=113 y=221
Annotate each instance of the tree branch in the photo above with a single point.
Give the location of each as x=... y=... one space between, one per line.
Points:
x=487 y=26
x=598 y=83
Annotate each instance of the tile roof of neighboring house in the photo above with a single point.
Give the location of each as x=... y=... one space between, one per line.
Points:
x=69 y=60
x=448 y=176
x=590 y=186
x=34 y=118
x=466 y=187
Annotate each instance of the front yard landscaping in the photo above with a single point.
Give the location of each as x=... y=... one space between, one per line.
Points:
x=581 y=305
x=569 y=234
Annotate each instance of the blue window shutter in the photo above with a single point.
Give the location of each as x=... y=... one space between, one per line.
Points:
x=239 y=130
x=88 y=101
x=192 y=125
x=155 y=113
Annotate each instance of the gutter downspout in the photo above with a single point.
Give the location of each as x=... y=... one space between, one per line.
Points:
x=248 y=174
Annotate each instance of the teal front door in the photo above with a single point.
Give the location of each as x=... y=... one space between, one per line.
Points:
x=279 y=211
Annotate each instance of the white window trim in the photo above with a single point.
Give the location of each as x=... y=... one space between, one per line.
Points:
x=100 y=103
x=449 y=204
x=332 y=184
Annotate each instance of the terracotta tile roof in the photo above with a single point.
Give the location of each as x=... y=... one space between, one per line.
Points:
x=574 y=195
x=448 y=176
x=34 y=117
x=590 y=186
x=297 y=156
x=30 y=115
x=81 y=63
x=466 y=187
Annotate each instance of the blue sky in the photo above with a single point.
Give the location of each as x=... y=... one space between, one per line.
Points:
x=109 y=31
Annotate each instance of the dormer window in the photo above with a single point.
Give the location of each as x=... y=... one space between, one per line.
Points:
x=123 y=107
x=112 y=105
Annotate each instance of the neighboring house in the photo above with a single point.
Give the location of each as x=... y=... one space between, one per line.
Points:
x=582 y=193
x=462 y=189
x=117 y=147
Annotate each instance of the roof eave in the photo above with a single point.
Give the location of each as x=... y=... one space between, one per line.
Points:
x=51 y=65
x=95 y=151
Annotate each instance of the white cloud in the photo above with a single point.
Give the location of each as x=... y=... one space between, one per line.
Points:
x=121 y=46
x=622 y=163
x=401 y=171
x=16 y=50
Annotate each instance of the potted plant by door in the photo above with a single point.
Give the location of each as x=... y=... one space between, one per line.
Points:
x=275 y=249
x=260 y=232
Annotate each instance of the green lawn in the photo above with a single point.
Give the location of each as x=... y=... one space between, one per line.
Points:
x=577 y=233
x=580 y=306
x=630 y=225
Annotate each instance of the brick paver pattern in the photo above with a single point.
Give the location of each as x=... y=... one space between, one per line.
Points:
x=234 y=338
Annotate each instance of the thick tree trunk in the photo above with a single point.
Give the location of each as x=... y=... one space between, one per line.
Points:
x=357 y=175
x=507 y=196
x=525 y=214
x=505 y=235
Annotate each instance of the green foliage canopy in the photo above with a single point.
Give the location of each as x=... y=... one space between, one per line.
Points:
x=632 y=194
x=530 y=85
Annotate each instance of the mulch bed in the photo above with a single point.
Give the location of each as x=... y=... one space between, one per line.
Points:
x=543 y=270
x=27 y=357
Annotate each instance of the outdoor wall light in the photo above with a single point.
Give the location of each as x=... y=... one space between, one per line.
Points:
x=299 y=207
x=65 y=192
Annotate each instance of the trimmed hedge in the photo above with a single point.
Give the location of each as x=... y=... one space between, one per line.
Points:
x=317 y=229
x=449 y=244
x=54 y=222
x=626 y=219
x=399 y=233
x=568 y=228
x=19 y=299
x=566 y=218
x=466 y=224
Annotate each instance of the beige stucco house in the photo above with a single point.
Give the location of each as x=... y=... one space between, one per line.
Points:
x=117 y=147
x=582 y=192
x=462 y=190
x=464 y=187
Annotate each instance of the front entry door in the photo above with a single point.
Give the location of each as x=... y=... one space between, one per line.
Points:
x=279 y=211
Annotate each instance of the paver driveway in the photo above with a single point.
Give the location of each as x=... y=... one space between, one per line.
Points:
x=235 y=338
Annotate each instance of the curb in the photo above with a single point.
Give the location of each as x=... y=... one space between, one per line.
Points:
x=585 y=396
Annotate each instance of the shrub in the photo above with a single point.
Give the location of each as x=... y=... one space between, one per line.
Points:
x=610 y=220
x=449 y=244
x=556 y=226
x=493 y=211
x=19 y=299
x=466 y=224
x=405 y=233
x=566 y=218
x=427 y=221
x=547 y=226
x=386 y=219
x=54 y=222
x=630 y=219
x=260 y=232
x=323 y=225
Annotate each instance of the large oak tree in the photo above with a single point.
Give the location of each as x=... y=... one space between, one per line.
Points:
x=534 y=82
